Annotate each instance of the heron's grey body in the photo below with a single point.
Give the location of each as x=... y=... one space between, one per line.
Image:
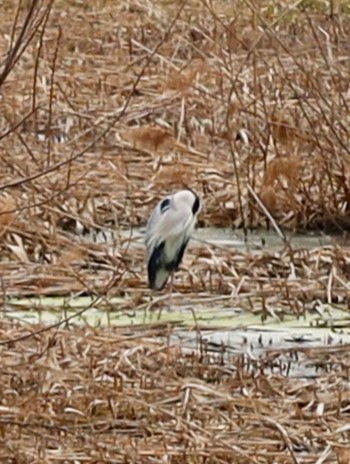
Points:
x=168 y=232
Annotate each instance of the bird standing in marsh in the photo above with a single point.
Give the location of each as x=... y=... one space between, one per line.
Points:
x=167 y=235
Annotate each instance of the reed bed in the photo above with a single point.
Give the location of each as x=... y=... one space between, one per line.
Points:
x=116 y=396
x=111 y=105
x=285 y=282
x=105 y=107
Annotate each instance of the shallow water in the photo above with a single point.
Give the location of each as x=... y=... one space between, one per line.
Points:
x=229 y=326
x=259 y=240
x=227 y=237
x=217 y=332
x=228 y=330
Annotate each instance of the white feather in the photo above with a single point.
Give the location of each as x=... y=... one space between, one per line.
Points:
x=172 y=225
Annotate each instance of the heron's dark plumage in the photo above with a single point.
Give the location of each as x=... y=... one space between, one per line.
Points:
x=196 y=205
x=154 y=263
x=159 y=261
x=165 y=205
x=177 y=261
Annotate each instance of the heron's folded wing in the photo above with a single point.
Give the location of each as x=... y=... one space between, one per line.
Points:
x=175 y=222
x=172 y=223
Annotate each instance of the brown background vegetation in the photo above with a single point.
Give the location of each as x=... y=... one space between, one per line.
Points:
x=106 y=106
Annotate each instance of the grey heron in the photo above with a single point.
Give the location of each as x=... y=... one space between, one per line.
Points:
x=167 y=235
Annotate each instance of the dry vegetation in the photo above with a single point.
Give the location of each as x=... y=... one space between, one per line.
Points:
x=91 y=396
x=104 y=107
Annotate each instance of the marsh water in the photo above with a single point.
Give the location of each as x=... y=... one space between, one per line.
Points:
x=218 y=328
x=228 y=238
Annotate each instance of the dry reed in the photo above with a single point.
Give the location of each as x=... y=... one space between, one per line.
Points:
x=105 y=106
x=116 y=396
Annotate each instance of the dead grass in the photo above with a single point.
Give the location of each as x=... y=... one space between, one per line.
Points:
x=106 y=106
x=280 y=73
x=106 y=396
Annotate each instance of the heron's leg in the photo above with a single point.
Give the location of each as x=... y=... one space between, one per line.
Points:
x=169 y=296
x=171 y=290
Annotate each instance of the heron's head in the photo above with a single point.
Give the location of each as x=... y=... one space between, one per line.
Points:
x=188 y=198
